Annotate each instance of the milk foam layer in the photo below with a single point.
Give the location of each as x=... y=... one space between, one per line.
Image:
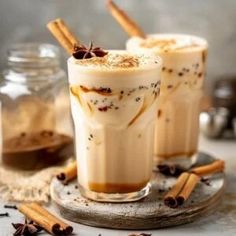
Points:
x=114 y=109
x=169 y=43
x=119 y=60
x=183 y=74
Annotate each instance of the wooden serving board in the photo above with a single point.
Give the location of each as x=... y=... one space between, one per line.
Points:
x=148 y=213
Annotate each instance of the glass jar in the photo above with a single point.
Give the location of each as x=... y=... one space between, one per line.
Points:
x=36 y=121
x=224 y=96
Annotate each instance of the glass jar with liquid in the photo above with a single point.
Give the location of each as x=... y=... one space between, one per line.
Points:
x=36 y=122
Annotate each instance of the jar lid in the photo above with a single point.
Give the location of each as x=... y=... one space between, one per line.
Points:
x=33 y=55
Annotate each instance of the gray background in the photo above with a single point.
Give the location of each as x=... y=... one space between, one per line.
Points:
x=25 y=20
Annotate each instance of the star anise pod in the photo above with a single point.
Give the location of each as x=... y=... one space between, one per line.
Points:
x=82 y=52
x=27 y=229
x=170 y=170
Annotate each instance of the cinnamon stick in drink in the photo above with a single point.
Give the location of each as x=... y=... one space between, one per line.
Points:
x=125 y=21
x=69 y=173
x=214 y=167
x=63 y=34
x=170 y=197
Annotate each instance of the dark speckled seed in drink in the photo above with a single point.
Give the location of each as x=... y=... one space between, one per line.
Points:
x=103 y=109
x=200 y=74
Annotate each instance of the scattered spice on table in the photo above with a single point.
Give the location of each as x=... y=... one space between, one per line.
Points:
x=206 y=181
x=4 y=214
x=170 y=170
x=10 y=207
x=142 y=234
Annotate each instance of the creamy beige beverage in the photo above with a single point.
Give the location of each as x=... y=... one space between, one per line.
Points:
x=177 y=126
x=114 y=103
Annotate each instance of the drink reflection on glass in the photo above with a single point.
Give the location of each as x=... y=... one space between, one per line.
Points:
x=114 y=103
x=183 y=71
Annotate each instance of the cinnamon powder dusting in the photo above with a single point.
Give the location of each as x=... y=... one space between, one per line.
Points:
x=167 y=45
x=162 y=44
x=112 y=61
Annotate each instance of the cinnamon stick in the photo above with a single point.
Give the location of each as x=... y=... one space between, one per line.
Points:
x=51 y=227
x=170 y=197
x=214 y=167
x=62 y=33
x=67 y=229
x=125 y=21
x=189 y=186
x=69 y=173
x=181 y=190
x=187 y=181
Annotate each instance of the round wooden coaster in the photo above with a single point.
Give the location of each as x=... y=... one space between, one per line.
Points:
x=148 y=213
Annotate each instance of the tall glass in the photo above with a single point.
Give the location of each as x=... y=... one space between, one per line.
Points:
x=177 y=120
x=114 y=108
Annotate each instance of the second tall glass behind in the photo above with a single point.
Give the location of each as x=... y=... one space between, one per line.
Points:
x=177 y=119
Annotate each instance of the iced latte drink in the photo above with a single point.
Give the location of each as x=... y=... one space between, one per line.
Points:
x=177 y=118
x=114 y=104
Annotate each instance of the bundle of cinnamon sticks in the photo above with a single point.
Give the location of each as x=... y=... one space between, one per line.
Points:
x=187 y=181
x=45 y=219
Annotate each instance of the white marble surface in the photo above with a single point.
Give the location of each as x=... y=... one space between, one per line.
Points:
x=222 y=222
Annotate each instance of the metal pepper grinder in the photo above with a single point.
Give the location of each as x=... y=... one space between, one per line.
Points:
x=220 y=120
